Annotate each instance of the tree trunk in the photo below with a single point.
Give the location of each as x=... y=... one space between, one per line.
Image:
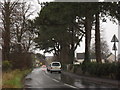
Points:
x=88 y=27
x=71 y=56
x=72 y=50
x=97 y=39
x=6 y=32
x=64 y=54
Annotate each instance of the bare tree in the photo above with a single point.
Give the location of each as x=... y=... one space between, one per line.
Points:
x=17 y=32
x=7 y=8
x=22 y=34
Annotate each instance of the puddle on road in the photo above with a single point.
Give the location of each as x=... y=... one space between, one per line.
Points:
x=77 y=82
x=80 y=83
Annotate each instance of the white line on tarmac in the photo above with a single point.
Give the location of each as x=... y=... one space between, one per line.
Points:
x=55 y=80
x=69 y=85
x=59 y=81
x=51 y=78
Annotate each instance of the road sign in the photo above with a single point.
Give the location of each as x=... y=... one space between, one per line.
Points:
x=114 y=39
x=114 y=47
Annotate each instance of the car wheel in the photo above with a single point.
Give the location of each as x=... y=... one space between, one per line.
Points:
x=59 y=71
x=50 y=71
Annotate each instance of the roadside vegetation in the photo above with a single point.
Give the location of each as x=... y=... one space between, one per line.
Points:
x=14 y=79
x=18 y=33
x=94 y=69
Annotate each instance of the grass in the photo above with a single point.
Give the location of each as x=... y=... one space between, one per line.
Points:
x=13 y=79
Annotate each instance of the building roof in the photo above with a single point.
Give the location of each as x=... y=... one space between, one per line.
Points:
x=82 y=55
x=112 y=57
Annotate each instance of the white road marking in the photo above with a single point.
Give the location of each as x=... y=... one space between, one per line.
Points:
x=69 y=85
x=59 y=81
x=51 y=78
x=55 y=80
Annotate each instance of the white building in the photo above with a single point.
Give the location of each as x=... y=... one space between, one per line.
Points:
x=111 y=58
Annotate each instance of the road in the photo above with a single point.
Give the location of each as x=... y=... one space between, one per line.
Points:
x=39 y=79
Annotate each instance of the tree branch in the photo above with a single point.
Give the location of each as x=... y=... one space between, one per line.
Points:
x=78 y=28
x=78 y=42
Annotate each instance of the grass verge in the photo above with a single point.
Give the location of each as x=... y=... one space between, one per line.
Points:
x=13 y=79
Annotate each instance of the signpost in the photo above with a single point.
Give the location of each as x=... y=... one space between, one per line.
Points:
x=114 y=39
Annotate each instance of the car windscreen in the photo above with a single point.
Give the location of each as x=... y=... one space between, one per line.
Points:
x=55 y=64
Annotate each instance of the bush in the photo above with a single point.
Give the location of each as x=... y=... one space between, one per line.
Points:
x=70 y=67
x=76 y=67
x=6 y=65
x=13 y=79
x=111 y=70
x=21 y=60
x=64 y=67
x=118 y=72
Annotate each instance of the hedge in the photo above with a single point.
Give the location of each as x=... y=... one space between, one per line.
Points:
x=111 y=70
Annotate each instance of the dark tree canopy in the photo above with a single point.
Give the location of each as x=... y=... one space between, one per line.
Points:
x=61 y=26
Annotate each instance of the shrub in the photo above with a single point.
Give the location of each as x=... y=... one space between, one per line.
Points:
x=21 y=60
x=76 y=67
x=64 y=67
x=111 y=70
x=6 y=65
x=13 y=79
x=118 y=72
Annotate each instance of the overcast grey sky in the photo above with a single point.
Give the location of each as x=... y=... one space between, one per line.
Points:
x=109 y=28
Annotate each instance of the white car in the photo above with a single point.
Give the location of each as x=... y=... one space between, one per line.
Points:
x=54 y=67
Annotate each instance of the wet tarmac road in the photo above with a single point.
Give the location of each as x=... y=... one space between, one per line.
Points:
x=40 y=79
